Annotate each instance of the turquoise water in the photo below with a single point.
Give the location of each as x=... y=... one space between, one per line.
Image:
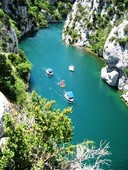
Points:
x=98 y=113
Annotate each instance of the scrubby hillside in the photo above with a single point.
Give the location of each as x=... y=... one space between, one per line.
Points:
x=102 y=25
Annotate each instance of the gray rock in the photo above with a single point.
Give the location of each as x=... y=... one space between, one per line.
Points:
x=110 y=76
x=116 y=54
x=4 y=107
x=19 y=13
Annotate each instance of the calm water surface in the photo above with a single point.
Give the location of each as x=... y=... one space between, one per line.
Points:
x=98 y=113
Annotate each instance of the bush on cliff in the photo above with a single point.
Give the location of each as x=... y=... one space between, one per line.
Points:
x=14 y=69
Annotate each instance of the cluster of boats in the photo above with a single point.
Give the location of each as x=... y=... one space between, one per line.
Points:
x=69 y=96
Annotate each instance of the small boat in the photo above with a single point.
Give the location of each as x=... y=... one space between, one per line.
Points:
x=71 y=68
x=62 y=83
x=49 y=72
x=69 y=96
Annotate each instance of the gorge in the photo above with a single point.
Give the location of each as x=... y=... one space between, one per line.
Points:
x=100 y=25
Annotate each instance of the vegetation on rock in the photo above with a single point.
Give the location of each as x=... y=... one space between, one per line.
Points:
x=97 y=24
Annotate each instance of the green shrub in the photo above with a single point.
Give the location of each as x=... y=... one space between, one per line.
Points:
x=126 y=71
x=20 y=89
x=80 y=8
x=4 y=46
x=126 y=4
x=119 y=21
x=23 y=69
x=16 y=69
x=126 y=29
x=1 y=14
x=121 y=41
x=97 y=40
x=17 y=31
x=110 y=11
x=115 y=2
x=63 y=8
x=120 y=6
x=40 y=20
x=47 y=6
x=112 y=39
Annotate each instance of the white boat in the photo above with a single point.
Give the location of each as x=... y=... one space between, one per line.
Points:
x=69 y=96
x=49 y=72
x=71 y=68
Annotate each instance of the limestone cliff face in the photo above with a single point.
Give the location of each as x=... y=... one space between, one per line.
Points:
x=18 y=11
x=116 y=56
x=8 y=40
x=91 y=23
x=83 y=20
x=116 y=47
x=8 y=37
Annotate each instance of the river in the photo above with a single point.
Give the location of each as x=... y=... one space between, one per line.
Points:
x=98 y=113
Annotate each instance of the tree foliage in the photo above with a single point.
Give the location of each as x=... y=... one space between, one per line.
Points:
x=14 y=69
x=36 y=136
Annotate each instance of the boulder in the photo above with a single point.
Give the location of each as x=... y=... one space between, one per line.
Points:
x=110 y=76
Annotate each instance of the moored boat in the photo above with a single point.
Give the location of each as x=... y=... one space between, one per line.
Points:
x=49 y=72
x=69 y=96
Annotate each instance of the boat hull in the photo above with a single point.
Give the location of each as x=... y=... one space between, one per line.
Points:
x=62 y=84
x=69 y=100
x=71 y=68
x=49 y=73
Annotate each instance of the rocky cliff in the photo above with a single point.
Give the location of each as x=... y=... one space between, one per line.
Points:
x=30 y=15
x=8 y=37
x=103 y=27
x=18 y=11
x=116 y=57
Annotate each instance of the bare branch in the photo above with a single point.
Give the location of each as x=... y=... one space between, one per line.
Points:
x=90 y=158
